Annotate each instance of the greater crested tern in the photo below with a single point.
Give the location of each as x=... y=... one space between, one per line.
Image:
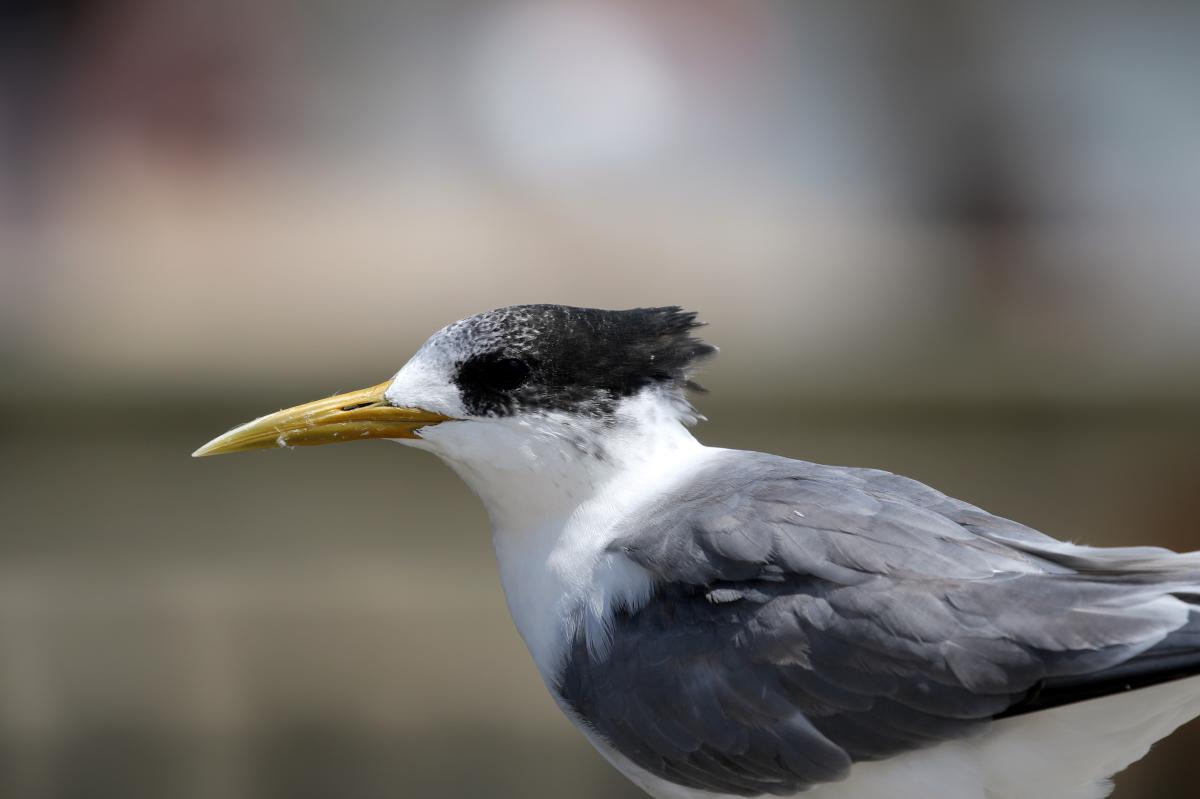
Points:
x=724 y=623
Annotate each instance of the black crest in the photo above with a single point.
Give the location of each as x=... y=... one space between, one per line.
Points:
x=578 y=359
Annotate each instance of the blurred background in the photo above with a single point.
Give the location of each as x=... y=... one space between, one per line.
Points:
x=957 y=240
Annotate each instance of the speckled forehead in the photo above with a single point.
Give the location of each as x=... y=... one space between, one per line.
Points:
x=505 y=328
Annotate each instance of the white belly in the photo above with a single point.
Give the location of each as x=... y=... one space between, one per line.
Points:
x=1064 y=753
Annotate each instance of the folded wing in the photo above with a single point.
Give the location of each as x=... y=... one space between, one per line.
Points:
x=810 y=617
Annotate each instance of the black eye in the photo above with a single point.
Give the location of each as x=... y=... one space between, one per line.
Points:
x=494 y=373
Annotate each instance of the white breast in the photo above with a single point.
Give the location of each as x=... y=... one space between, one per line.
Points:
x=559 y=574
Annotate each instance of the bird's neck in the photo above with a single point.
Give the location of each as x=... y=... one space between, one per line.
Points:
x=555 y=495
x=531 y=473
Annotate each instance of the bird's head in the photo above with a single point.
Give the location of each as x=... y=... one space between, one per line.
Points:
x=508 y=380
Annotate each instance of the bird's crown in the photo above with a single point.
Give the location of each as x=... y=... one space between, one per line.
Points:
x=565 y=358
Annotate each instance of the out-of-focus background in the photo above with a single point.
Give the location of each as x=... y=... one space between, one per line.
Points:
x=956 y=240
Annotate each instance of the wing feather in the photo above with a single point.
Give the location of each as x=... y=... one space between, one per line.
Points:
x=809 y=617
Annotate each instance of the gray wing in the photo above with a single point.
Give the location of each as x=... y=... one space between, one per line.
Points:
x=810 y=617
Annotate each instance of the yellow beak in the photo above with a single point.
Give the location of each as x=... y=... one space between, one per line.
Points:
x=347 y=417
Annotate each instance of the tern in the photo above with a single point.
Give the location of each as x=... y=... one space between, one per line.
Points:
x=724 y=623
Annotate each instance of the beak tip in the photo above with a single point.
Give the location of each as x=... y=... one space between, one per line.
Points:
x=204 y=451
x=218 y=446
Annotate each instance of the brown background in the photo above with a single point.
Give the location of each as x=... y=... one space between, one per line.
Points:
x=954 y=240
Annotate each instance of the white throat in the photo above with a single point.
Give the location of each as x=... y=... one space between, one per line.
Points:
x=555 y=487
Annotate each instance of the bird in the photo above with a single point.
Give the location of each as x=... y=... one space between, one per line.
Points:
x=723 y=623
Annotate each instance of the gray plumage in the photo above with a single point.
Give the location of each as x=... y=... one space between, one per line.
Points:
x=809 y=617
